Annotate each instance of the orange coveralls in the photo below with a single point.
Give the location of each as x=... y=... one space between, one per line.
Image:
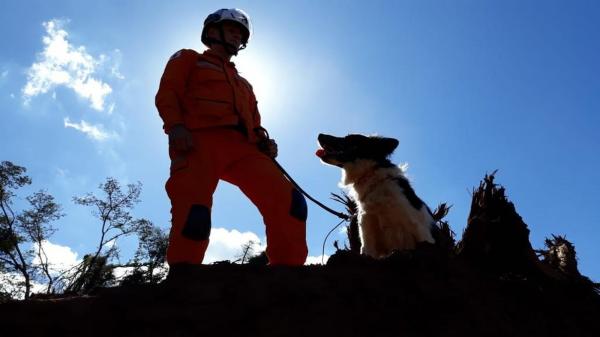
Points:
x=207 y=95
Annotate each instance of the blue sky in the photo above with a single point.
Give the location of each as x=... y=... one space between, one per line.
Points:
x=466 y=86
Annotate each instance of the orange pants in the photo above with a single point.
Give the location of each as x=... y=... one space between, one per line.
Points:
x=224 y=153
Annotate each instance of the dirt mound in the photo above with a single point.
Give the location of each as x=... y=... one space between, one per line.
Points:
x=492 y=283
x=401 y=296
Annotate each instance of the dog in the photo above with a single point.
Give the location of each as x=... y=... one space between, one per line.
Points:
x=390 y=214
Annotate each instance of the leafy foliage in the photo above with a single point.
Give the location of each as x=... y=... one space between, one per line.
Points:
x=442 y=233
x=150 y=256
x=113 y=210
x=352 y=227
x=23 y=235
x=19 y=229
x=92 y=273
x=247 y=252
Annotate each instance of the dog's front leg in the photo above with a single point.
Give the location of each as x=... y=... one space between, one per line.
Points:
x=370 y=234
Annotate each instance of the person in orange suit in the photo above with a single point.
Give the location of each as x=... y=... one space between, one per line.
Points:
x=210 y=114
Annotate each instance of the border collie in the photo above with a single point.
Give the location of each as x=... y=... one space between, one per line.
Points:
x=390 y=215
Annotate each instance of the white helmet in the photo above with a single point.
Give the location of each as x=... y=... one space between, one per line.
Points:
x=232 y=14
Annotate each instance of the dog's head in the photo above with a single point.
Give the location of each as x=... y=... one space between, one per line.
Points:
x=339 y=151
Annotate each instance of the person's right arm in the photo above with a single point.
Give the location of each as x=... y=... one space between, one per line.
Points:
x=170 y=95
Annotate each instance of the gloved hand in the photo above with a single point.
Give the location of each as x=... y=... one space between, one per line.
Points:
x=268 y=146
x=181 y=138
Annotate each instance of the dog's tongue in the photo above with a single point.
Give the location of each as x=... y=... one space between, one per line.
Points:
x=320 y=153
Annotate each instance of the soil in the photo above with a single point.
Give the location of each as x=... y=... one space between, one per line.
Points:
x=489 y=284
x=419 y=293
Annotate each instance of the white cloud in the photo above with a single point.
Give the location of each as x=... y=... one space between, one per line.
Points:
x=64 y=64
x=227 y=245
x=317 y=259
x=60 y=258
x=114 y=70
x=3 y=77
x=96 y=132
x=62 y=173
x=13 y=284
x=121 y=272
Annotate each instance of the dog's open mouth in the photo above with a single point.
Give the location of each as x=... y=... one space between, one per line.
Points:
x=331 y=149
x=320 y=152
x=329 y=156
x=326 y=151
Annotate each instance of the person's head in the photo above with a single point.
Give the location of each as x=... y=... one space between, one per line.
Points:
x=226 y=31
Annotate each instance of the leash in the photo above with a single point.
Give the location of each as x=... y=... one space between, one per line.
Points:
x=343 y=216
x=327 y=236
x=288 y=177
x=340 y=215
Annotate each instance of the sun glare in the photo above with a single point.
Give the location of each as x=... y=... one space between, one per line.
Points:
x=258 y=70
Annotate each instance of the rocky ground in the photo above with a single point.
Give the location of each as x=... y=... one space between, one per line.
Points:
x=492 y=283
x=410 y=294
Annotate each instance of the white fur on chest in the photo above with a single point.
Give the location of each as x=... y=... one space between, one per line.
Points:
x=386 y=218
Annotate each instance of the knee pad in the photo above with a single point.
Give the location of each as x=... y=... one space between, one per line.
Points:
x=197 y=226
x=298 y=208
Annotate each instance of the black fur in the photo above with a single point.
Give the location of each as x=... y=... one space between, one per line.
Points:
x=355 y=146
x=410 y=194
x=340 y=150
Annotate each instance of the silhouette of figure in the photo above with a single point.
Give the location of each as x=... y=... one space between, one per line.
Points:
x=210 y=114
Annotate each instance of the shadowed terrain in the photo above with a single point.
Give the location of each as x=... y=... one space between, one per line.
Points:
x=409 y=295
x=492 y=283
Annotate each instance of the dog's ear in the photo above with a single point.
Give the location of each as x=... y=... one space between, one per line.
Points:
x=389 y=144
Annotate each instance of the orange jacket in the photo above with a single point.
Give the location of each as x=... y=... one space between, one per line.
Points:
x=202 y=91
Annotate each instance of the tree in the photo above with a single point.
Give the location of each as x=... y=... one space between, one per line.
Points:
x=496 y=239
x=28 y=226
x=35 y=222
x=113 y=210
x=93 y=272
x=149 y=260
x=247 y=252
